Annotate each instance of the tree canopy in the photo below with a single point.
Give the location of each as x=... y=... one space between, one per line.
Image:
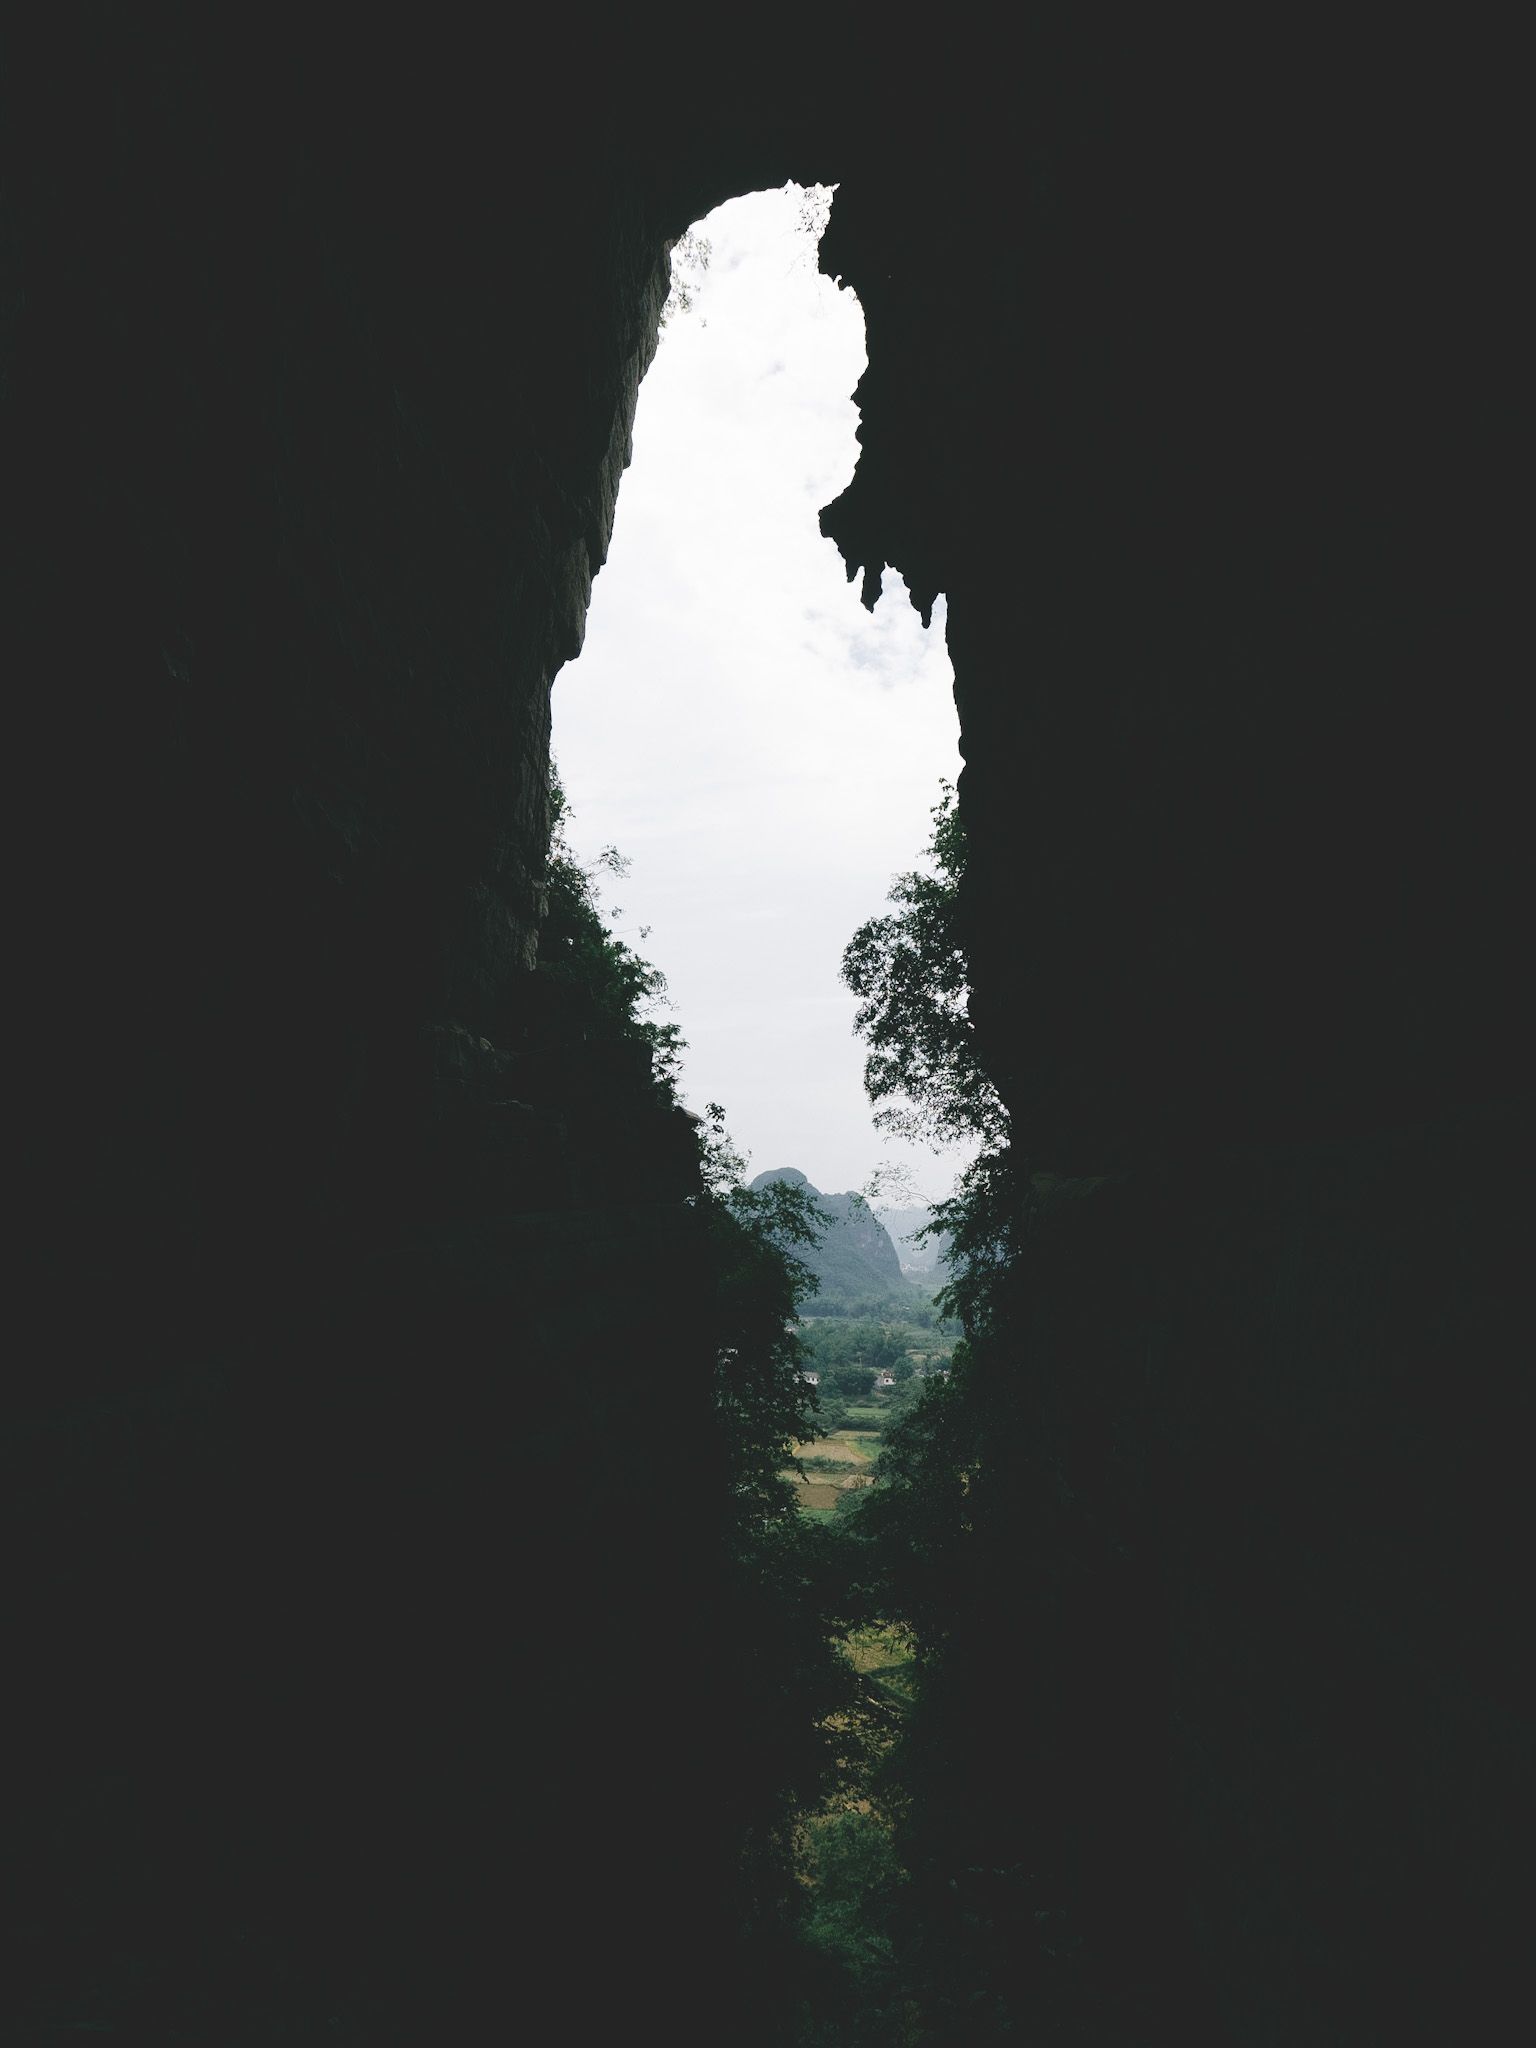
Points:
x=908 y=970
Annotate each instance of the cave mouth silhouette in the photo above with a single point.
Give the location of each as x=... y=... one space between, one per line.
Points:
x=770 y=749
x=320 y=362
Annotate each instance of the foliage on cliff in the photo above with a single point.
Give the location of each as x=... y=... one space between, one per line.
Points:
x=908 y=970
x=949 y=1927
x=603 y=989
x=778 y=1693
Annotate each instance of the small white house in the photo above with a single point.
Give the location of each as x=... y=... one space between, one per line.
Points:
x=812 y=1379
x=885 y=1379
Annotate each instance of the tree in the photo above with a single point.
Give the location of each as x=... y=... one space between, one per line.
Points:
x=972 y=1516
x=853 y=1382
x=774 y=1592
x=600 y=986
x=909 y=973
x=760 y=1283
x=924 y=1069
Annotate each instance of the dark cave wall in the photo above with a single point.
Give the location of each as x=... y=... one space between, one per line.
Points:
x=320 y=382
x=1215 y=447
x=330 y=615
x=320 y=373
x=1213 y=444
x=1250 y=1500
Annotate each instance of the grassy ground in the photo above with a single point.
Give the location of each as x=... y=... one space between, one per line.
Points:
x=882 y=1653
x=853 y=1446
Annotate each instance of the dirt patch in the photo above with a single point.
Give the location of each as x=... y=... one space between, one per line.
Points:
x=817 y=1494
x=854 y=1457
x=843 y=1443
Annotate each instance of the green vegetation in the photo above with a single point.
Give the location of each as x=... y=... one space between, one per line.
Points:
x=849 y=1520
x=849 y=1355
x=784 y=1598
x=919 y=1937
x=910 y=976
x=595 y=988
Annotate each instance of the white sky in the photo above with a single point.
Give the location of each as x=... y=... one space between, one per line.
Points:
x=763 y=750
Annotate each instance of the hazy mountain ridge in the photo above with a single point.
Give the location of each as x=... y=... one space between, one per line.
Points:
x=856 y=1262
x=925 y=1259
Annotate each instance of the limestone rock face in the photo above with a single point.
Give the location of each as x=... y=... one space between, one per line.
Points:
x=854 y=1260
x=925 y=1256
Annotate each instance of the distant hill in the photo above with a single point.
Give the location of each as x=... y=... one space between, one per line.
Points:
x=856 y=1265
x=922 y=1260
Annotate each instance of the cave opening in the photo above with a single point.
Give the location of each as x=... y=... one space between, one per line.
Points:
x=374 y=1662
x=761 y=749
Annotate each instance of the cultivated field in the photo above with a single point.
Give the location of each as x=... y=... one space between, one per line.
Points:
x=834 y=1465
